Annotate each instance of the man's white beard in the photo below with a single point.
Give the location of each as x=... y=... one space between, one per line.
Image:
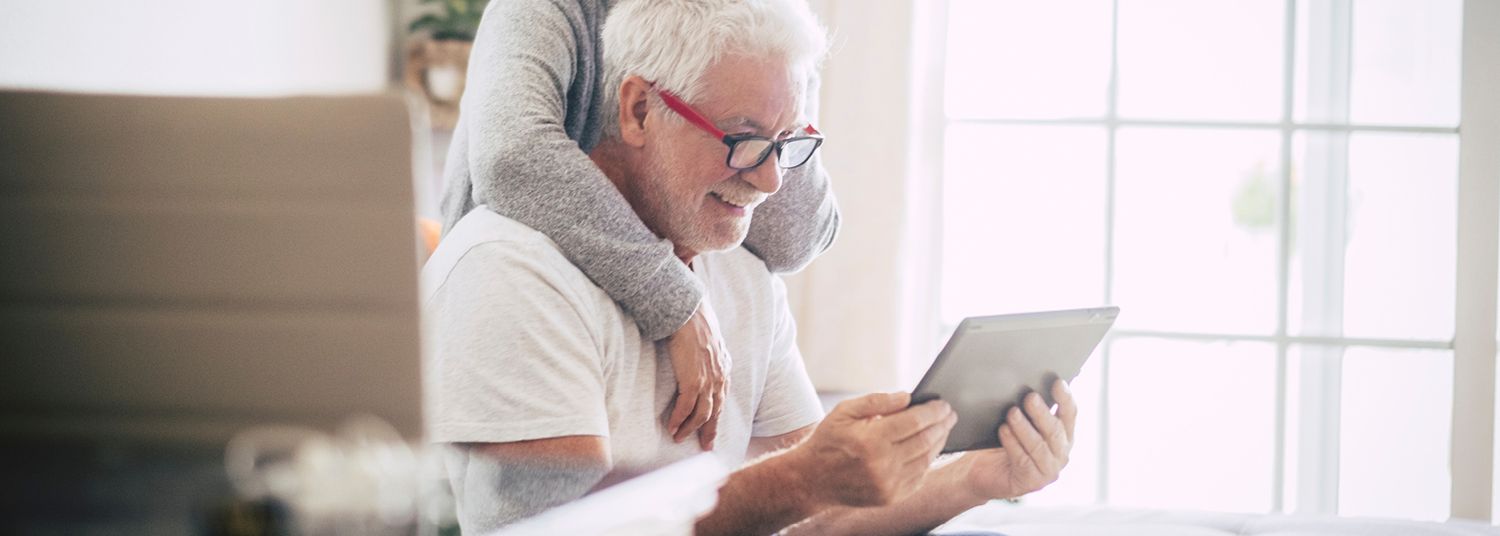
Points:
x=682 y=225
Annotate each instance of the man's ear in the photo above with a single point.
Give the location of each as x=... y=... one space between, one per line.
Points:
x=635 y=94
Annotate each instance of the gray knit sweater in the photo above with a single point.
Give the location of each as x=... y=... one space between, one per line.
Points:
x=529 y=116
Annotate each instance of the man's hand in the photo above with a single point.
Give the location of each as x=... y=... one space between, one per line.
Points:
x=873 y=450
x=1033 y=449
x=702 y=367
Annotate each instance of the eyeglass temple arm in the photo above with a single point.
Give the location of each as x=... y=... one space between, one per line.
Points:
x=688 y=113
x=693 y=117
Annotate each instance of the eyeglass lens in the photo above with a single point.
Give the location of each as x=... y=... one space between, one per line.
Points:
x=796 y=152
x=749 y=153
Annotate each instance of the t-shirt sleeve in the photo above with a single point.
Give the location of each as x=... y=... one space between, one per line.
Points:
x=789 y=401
x=513 y=356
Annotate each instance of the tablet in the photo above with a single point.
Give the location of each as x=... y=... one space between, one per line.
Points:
x=991 y=363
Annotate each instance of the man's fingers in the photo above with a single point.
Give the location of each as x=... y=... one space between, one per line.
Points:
x=915 y=470
x=912 y=421
x=1021 y=464
x=1067 y=407
x=1031 y=441
x=1048 y=425
x=928 y=442
x=872 y=405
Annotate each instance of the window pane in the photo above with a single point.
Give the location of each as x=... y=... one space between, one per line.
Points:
x=1191 y=424
x=1401 y=57
x=1195 y=232
x=1191 y=59
x=1402 y=253
x=1027 y=59
x=1395 y=433
x=1023 y=219
x=1386 y=270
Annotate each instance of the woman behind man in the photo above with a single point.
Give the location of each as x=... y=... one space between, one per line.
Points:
x=529 y=116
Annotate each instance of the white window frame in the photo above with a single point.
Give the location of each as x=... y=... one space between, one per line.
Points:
x=1473 y=445
x=1474 y=344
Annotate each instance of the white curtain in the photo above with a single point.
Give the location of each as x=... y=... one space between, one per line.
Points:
x=865 y=309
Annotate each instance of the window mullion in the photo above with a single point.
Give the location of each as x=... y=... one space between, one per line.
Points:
x=1320 y=243
x=1111 y=117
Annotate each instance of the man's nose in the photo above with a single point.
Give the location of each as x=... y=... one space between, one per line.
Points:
x=765 y=177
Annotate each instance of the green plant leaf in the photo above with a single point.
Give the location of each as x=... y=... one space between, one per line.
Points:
x=459 y=19
x=426 y=22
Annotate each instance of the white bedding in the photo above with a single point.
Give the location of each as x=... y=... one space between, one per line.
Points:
x=1015 y=520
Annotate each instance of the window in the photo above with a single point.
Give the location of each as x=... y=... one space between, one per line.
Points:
x=1269 y=190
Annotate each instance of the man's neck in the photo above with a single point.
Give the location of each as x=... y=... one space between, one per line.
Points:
x=687 y=255
x=613 y=161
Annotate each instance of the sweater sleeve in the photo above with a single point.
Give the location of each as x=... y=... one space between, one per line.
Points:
x=523 y=164
x=800 y=222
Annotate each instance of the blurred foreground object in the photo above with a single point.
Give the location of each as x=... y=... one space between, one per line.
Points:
x=664 y=502
x=178 y=270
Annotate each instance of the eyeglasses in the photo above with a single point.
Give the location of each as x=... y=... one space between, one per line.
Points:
x=747 y=151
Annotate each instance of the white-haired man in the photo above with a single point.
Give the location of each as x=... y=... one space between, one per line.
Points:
x=545 y=386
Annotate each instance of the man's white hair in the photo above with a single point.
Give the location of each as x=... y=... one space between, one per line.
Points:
x=673 y=42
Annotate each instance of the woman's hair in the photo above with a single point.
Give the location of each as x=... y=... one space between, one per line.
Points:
x=673 y=42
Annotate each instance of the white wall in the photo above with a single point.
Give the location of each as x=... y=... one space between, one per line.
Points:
x=196 y=47
x=859 y=304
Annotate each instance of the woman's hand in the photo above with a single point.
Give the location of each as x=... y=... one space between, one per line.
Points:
x=702 y=365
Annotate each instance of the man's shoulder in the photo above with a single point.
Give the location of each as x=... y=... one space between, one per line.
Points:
x=498 y=247
x=740 y=274
x=740 y=262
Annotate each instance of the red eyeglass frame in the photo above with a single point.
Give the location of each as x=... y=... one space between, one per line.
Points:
x=687 y=112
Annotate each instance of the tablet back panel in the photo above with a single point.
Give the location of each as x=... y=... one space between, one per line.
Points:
x=991 y=363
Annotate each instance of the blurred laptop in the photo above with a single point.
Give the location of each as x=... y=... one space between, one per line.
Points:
x=176 y=270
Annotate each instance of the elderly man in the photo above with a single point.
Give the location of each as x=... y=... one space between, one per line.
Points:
x=545 y=387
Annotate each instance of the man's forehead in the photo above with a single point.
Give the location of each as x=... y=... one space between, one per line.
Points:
x=754 y=112
x=751 y=123
x=761 y=92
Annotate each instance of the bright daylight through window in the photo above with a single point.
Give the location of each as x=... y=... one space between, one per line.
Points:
x=1268 y=189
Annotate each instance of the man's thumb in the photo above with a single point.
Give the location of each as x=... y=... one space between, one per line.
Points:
x=874 y=404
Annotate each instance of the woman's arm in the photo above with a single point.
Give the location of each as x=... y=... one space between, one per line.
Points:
x=516 y=152
x=523 y=164
x=800 y=222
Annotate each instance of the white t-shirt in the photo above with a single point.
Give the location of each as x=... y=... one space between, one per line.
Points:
x=524 y=346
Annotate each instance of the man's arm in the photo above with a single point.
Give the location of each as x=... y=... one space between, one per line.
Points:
x=869 y=451
x=799 y=223
x=503 y=482
x=1034 y=450
x=761 y=446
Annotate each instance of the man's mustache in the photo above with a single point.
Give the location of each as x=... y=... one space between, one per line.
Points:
x=739 y=193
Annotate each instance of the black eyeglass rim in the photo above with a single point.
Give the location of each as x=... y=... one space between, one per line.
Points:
x=734 y=139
